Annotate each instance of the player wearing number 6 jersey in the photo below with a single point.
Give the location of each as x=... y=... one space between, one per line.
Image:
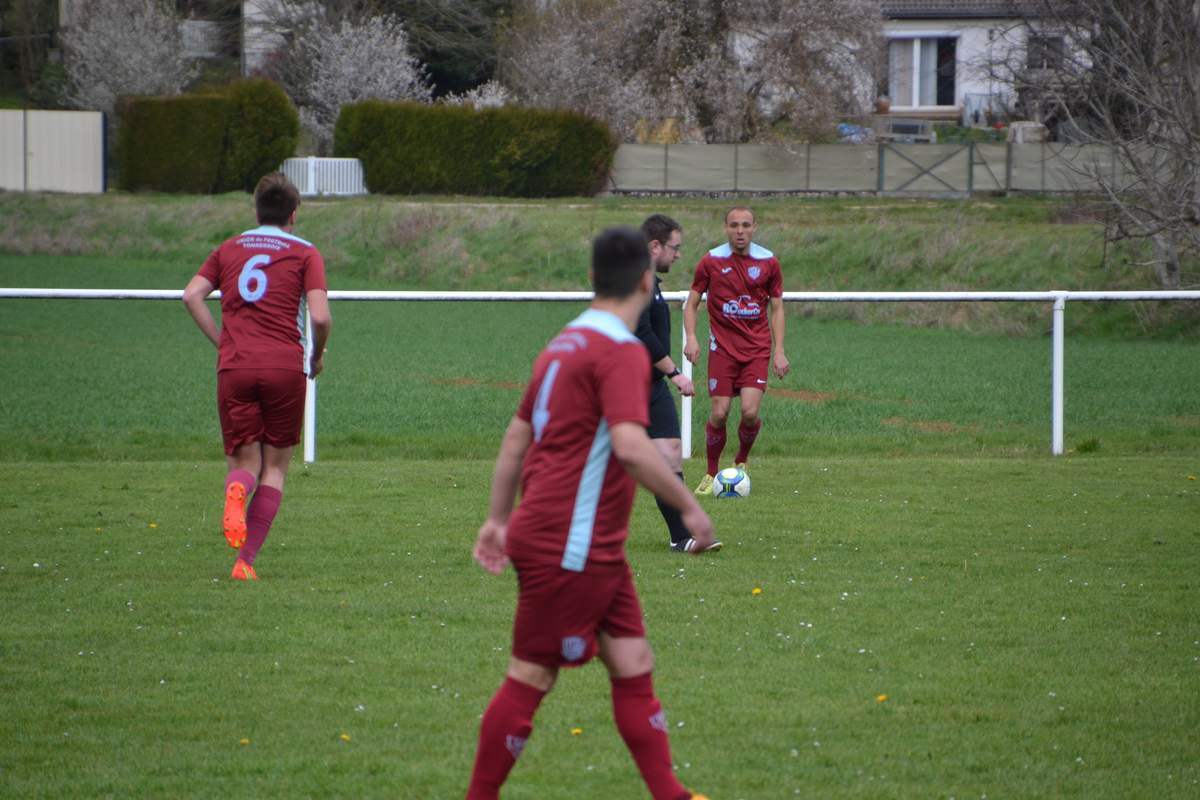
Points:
x=266 y=275
x=577 y=443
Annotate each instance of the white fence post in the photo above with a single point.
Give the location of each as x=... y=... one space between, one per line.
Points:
x=685 y=403
x=1056 y=375
x=310 y=396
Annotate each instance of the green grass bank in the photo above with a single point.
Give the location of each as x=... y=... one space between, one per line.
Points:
x=831 y=244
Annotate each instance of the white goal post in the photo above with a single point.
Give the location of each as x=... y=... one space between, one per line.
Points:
x=1059 y=300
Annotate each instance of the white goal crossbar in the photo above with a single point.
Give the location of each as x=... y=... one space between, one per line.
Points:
x=1059 y=300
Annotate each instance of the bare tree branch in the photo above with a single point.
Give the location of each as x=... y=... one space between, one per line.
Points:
x=1129 y=80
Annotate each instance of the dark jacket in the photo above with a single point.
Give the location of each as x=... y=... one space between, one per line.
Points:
x=654 y=329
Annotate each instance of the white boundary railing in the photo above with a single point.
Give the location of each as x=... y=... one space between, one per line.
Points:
x=1059 y=300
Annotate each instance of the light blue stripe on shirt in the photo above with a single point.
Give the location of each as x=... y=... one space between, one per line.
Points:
x=587 y=499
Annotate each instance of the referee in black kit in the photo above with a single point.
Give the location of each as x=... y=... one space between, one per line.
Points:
x=664 y=237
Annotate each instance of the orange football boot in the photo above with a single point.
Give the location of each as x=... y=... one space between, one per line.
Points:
x=243 y=572
x=235 y=515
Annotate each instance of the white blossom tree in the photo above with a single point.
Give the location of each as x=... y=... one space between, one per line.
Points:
x=124 y=47
x=728 y=69
x=487 y=95
x=340 y=59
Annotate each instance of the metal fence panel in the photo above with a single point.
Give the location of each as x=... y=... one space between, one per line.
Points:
x=12 y=151
x=765 y=168
x=989 y=170
x=1027 y=167
x=1075 y=168
x=640 y=168
x=702 y=168
x=929 y=168
x=66 y=151
x=52 y=151
x=843 y=168
x=926 y=168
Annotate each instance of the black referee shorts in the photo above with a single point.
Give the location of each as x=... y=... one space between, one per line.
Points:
x=664 y=420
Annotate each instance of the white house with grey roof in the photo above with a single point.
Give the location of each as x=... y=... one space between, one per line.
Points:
x=947 y=58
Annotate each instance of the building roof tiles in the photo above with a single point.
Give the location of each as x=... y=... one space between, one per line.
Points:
x=942 y=9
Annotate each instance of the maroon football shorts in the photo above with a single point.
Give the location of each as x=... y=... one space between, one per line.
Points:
x=260 y=405
x=726 y=376
x=560 y=613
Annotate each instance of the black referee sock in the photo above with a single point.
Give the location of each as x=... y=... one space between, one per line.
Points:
x=679 y=532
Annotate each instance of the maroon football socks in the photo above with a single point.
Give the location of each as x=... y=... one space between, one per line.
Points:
x=746 y=437
x=242 y=476
x=714 y=440
x=503 y=732
x=259 y=517
x=643 y=726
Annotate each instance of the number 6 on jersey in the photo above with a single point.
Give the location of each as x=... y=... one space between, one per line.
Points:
x=252 y=275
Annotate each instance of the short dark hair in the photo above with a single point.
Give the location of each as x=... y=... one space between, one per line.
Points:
x=659 y=227
x=753 y=216
x=619 y=259
x=275 y=198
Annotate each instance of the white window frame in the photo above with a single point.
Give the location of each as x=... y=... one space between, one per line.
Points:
x=914 y=102
x=1046 y=35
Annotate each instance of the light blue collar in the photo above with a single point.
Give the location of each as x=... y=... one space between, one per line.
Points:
x=604 y=322
x=272 y=230
x=725 y=251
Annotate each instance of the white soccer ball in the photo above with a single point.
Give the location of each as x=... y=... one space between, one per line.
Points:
x=731 y=482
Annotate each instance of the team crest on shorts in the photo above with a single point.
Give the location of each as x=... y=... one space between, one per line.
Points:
x=712 y=384
x=573 y=648
x=754 y=272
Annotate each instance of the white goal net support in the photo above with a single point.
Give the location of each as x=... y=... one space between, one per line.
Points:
x=1058 y=299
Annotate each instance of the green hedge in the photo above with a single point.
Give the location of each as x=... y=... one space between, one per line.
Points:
x=172 y=144
x=263 y=132
x=207 y=142
x=410 y=148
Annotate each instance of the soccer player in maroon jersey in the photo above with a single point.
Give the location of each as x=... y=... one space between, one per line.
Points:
x=265 y=275
x=745 y=316
x=576 y=445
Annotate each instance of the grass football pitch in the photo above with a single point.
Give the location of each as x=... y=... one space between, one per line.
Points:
x=927 y=626
x=944 y=610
